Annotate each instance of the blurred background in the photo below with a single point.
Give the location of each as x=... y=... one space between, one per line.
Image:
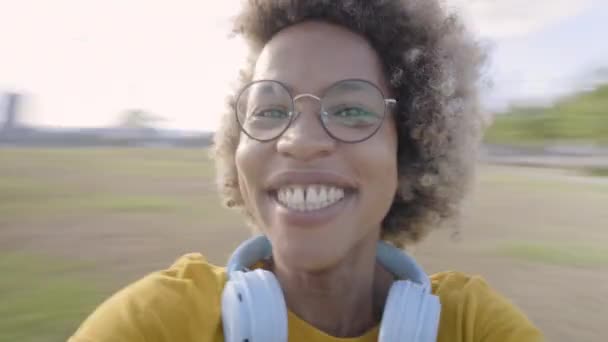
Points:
x=108 y=109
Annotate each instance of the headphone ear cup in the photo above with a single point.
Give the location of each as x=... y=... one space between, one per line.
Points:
x=253 y=308
x=411 y=314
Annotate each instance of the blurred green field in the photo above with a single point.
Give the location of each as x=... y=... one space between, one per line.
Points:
x=78 y=224
x=597 y=171
x=42 y=297
x=559 y=254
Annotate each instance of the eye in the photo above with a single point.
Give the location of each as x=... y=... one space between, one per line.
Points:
x=270 y=113
x=351 y=112
x=351 y=116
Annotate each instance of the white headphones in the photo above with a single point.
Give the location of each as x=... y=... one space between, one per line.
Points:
x=254 y=310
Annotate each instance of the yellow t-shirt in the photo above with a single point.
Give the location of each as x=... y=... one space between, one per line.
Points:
x=182 y=304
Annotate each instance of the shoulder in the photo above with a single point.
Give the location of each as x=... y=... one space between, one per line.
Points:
x=189 y=277
x=193 y=270
x=472 y=309
x=457 y=283
x=162 y=303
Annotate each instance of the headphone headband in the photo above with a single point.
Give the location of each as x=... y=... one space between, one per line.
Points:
x=396 y=261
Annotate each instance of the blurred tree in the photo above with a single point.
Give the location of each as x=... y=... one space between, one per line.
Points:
x=578 y=118
x=138 y=119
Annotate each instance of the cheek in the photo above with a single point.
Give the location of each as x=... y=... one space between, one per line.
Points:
x=248 y=157
x=381 y=157
x=384 y=170
x=245 y=167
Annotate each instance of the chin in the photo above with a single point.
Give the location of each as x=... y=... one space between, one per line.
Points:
x=310 y=252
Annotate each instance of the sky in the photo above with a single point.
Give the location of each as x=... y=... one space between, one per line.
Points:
x=81 y=63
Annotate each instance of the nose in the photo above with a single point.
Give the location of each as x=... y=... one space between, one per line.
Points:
x=306 y=139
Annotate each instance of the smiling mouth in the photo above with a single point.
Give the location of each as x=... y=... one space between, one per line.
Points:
x=306 y=198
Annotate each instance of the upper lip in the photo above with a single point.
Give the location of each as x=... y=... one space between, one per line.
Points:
x=303 y=177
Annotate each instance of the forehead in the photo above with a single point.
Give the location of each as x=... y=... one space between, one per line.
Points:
x=311 y=56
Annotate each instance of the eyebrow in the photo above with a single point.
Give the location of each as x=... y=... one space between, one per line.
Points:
x=339 y=85
x=345 y=87
x=269 y=88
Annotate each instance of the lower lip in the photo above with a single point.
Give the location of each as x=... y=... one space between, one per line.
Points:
x=312 y=218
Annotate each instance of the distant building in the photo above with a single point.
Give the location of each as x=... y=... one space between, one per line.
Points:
x=10 y=110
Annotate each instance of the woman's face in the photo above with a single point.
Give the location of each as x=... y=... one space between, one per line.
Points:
x=318 y=199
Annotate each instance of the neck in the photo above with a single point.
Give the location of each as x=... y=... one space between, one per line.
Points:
x=344 y=300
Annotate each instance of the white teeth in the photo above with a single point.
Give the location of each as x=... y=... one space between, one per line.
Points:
x=312 y=199
x=323 y=194
x=298 y=199
x=309 y=197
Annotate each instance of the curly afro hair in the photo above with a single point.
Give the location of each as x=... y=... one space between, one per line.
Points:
x=432 y=65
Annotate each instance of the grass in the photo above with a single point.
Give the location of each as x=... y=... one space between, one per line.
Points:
x=544 y=183
x=97 y=205
x=129 y=162
x=38 y=183
x=42 y=298
x=139 y=204
x=556 y=254
x=135 y=210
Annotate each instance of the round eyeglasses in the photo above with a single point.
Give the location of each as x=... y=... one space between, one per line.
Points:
x=351 y=110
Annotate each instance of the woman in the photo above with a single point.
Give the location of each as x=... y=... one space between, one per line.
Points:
x=355 y=121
